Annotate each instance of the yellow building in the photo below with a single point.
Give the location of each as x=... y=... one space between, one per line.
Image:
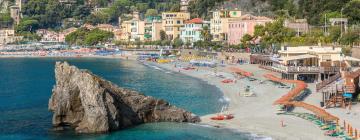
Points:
x=133 y=30
x=219 y=26
x=172 y=21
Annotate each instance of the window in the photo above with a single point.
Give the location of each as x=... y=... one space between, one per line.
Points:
x=178 y=22
x=326 y=57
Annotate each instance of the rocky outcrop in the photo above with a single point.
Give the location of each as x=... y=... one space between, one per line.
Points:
x=91 y=104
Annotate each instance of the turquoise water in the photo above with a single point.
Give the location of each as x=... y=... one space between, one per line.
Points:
x=26 y=85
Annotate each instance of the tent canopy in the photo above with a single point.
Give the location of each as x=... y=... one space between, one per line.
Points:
x=305 y=56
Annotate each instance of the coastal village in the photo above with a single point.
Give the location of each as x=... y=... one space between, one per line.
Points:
x=307 y=91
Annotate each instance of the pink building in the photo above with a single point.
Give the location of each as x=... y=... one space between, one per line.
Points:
x=238 y=27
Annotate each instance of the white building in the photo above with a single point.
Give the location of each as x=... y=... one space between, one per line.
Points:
x=191 y=32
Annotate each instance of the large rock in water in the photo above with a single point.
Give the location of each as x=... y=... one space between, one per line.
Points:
x=91 y=104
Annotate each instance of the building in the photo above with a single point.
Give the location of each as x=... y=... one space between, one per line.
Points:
x=191 y=32
x=64 y=33
x=238 y=27
x=300 y=26
x=15 y=14
x=307 y=63
x=8 y=36
x=184 y=5
x=133 y=30
x=105 y=27
x=153 y=26
x=342 y=22
x=15 y=11
x=172 y=22
x=219 y=23
x=47 y=35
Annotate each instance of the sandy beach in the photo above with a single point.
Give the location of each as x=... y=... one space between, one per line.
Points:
x=254 y=114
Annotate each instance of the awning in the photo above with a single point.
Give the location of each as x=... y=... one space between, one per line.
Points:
x=305 y=56
x=349 y=58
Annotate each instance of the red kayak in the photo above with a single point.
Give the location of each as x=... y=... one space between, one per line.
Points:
x=223 y=117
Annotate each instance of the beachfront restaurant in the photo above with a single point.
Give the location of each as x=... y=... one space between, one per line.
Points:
x=300 y=67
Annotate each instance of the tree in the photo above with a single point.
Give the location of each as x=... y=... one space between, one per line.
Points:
x=201 y=8
x=351 y=37
x=205 y=33
x=27 y=26
x=81 y=12
x=245 y=40
x=163 y=35
x=151 y=12
x=334 y=34
x=352 y=10
x=84 y=36
x=178 y=43
x=98 y=18
x=175 y=8
x=5 y=20
x=329 y=15
x=275 y=33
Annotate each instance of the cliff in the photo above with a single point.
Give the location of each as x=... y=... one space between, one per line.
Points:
x=91 y=104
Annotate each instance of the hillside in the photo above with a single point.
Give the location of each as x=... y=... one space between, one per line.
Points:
x=313 y=10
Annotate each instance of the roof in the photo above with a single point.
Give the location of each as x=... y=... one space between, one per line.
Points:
x=299 y=57
x=195 y=21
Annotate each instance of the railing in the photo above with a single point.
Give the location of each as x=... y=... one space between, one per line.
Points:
x=331 y=69
x=327 y=81
x=303 y=69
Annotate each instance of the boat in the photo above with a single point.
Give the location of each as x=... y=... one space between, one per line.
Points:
x=227 y=81
x=189 y=68
x=223 y=117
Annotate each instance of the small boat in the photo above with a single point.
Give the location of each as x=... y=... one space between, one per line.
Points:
x=223 y=117
x=188 y=68
x=227 y=81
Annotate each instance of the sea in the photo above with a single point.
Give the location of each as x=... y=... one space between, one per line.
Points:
x=26 y=84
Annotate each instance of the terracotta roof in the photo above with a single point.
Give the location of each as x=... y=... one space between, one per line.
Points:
x=195 y=20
